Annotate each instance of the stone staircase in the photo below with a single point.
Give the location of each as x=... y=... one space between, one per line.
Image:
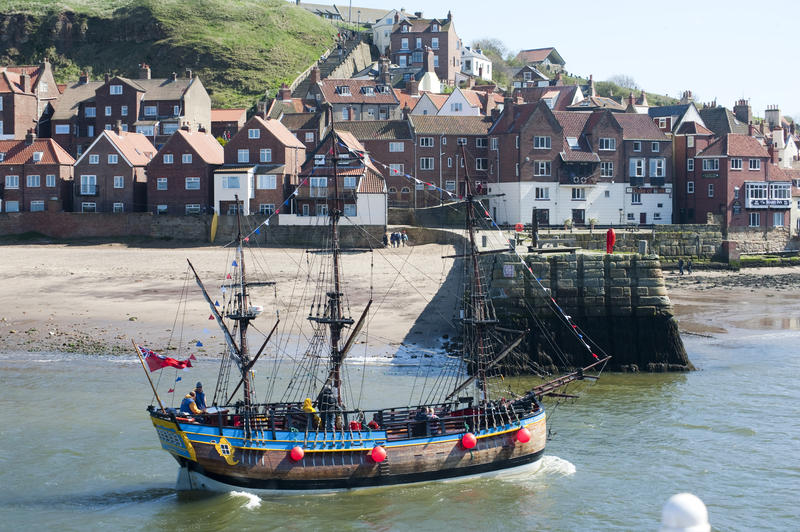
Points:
x=331 y=62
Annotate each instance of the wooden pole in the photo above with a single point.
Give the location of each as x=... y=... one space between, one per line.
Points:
x=139 y=353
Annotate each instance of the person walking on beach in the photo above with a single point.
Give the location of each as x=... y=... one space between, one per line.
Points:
x=689 y=266
x=680 y=266
x=385 y=240
x=404 y=236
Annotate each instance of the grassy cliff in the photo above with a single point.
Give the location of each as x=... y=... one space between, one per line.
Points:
x=239 y=48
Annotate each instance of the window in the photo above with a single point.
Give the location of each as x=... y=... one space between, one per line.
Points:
x=119 y=207
x=541 y=168
x=607 y=169
x=403 y=61
x=656 y=216
x=426 y=142
x=193 y=208
x=119 y=181
x=426 y=163
x=90 y=131
x=176 y=110
x=113 y=158
x=147 y=131
x=435 y=60
x=418 y=42
x=629 y=217
x=12 y=181
x=450 y=185
x=309 y=137
x=516 y=169
x=755 y=164
x=230 y=181
x=608 y=144
x=161 y=209
x=192 y=183
x=606 y=193
x=319 y=159
x=662 y=122
x=253 y=133
x=657 y=167
x=115 y=89
x=711 y=190
x=88 y=206
x=736 y=193
x=266 y=209
x=349 y=209
x=350 y=182
x=756 y=190
x=777 y=217
x=61 y=129
x=12 y=206
x=542 y=193
x=736 y=163
x=690 y=165
x=461 y=141
x=108 y=110
x=123 y=110
x=636 y=198
x=690 y=187
x=419 y=185
x=435 y=42
x=396 y=169
x=481 y=163
x=710 y=164
x=167 y=158
x=637 y=167
x=637 y=145
x=94 y=159
x=435 y=27
x=50 y=180
x=541 y=143
x=396 y=147
x=780 y=191
x=655 y=147
x=88 y=185
x=90 y=112
x=578 y=194
x=186 y=158
x=265 y=155
x=33 y=181
x=169 y=128
x=318 y=187
x=494 y=143
x=572 y=142
x=1 y=105
x=150 y=110
x=108 y=127
x=266 y=181
x=161 y=183
x=243 y=156
x=690 y=141
x=455 y=107
x=37 y=206
x=449 y=162
x=405 y=190
x=755 y=219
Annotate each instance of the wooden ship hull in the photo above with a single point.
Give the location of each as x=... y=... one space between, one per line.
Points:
x=221 y=459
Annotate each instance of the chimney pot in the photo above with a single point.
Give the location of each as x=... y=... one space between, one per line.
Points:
x=144 y=71
x=174 y=76
x=30 y=136
x=188 y=73
x=26 y=82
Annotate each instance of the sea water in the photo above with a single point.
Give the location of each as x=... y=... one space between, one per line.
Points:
x=78 y=452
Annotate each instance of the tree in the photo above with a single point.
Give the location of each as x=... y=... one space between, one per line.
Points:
x=623 y=80
x=497 y=52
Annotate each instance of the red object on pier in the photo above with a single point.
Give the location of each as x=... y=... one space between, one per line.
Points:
x=611 y=239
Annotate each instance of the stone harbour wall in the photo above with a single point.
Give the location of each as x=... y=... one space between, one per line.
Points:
x=620 y=301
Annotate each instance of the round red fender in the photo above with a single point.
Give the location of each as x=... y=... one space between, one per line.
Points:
x=519 y=228
x=523 y=435
x=297 y=453
x=468 y=440
x=378 y=453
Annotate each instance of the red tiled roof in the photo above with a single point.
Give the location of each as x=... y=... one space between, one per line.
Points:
x=329 y=86
x=438 y=99
x=736 y=146
x=133 y=146
x=204 y=145
x=776 y=173
x=407 y=99
x=638 y=127
x=536 y=55
x=228 y=115
x=693 y=128
x=573 y=124
x=10 y=82
x=511 y=120
x=472 y=97
x=566 y=93
x=17 y=152
x=450 y=125
x=279 y=131
x=34 y=71
x=372 y=182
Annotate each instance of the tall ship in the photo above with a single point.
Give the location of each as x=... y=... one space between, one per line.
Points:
x=313 y=438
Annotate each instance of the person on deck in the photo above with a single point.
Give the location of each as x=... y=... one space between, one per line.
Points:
x=199 y=396
x=309 y=409
x=327 y=405
x=188 y=405
x=374 y=425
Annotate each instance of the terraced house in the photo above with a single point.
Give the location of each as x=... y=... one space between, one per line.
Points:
x=574 y=167
x=357 y=99
x=411 y=36
x=35 y=175
x=27 y=93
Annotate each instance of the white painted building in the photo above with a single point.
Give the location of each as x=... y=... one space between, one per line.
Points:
x=230 y=183
x=474 y=63
x=382 y=30
x=457 y=104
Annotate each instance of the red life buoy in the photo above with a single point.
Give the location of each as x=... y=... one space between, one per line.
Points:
x=519 y=228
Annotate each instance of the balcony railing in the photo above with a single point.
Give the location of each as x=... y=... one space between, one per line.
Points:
x=570 y=177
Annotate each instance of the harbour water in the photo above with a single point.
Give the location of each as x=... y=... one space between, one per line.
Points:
x=77 y=450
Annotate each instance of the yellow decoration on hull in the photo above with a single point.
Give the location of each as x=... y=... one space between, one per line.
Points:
x=226 y=450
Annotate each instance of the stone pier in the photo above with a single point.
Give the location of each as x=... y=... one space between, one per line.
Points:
x=620 y=301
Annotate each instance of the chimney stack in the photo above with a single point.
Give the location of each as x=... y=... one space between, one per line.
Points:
x=83 y=79
x=429 y=60
x=174 y=76
x=314 y=76
x=743 y=112
x=188 y=73
x=406 y=111
x=284 y=94
x=26 y=82
x=592 y=92
x=30 y=136
x=144 y=71
x=118 y=127
x=418 y=14
x=773 y=116
x=412 y=87
x=106 y=77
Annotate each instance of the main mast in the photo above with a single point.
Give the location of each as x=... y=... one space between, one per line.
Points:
x=243 y=316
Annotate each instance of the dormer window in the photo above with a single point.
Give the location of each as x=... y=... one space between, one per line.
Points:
x=573 y=143
x=37 y=156
x=383 y=89
x=404 y=28
x=343 y=90
x=435 y=27
x=369 y=91
x=115 y=89
x=2 y=156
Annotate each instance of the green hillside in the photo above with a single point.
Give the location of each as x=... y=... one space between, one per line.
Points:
x=239 y=48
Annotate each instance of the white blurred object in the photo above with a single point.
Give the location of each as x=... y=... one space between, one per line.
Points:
x=684 y=512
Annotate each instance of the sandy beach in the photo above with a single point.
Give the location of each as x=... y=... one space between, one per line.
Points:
x=95 y=298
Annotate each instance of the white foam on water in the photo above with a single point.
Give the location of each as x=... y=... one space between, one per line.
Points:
x=253 y=500
x=553 y=465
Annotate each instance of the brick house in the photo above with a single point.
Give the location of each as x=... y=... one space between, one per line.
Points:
x=688 y=140
x=542 y=58
x=111 y=175
x=156 y=108
x=309 y=128
x=361 y=186
x=528 y=76
x=447 y=147
x=390 y=144
x=578 y=166
x=225 y=123
x=262 y=163
x=35 y=175
x=411 y=37
x=357 y=99
x=180 y=178
x=27 y=93
x=557 y=97
x=737 y=183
